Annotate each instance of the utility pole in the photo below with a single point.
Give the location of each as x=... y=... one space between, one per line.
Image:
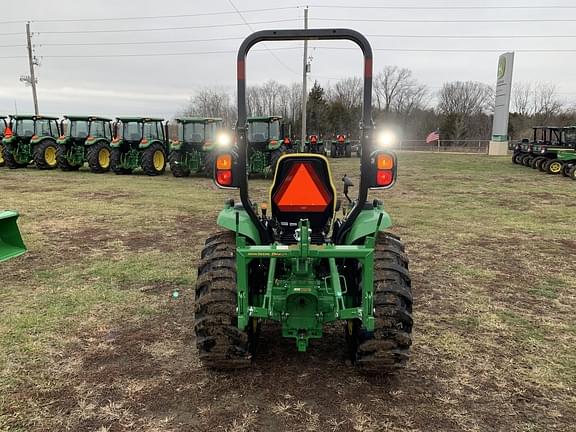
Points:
x=304 y=82
x=31 y=61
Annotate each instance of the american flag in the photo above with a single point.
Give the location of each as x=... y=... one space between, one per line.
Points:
x=433 y=136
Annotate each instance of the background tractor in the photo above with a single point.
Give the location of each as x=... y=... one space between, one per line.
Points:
x=31 y=139
x=139 y=142
x=192 y=150
x=85 y=139
x=314 y=145
x=532 y=153
x=341 y=147
x=265 y=144
x=301 y=265
x=11 y=244
x=3 y=125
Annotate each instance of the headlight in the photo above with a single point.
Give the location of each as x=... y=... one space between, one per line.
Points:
x=387 y=138
x=223 y=139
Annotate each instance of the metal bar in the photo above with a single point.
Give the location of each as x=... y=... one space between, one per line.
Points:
x=304 y=84
x=335 y=276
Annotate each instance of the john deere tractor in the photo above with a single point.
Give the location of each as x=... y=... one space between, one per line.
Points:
x=315 y=145
x=85 y=139
x=139 y=142
x=265 y=144
x=301 y=265
x=31 y=139
x=3 y=125
x=192 y=150
x=340 y=147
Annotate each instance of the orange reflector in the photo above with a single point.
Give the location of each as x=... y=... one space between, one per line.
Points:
x=384 y=178
x=384 y=161
x=302 y=191
x=224 y=178
x=224 y=162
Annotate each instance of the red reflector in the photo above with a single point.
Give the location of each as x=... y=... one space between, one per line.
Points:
x=224 y=177
x=302 y=191
x=384 y=177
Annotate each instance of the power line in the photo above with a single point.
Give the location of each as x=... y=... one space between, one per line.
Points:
x=429 y=36
x=163 y=28
x=464 y=50
x=265 y=45
x=451 y=21
x=443 y=7
x=162 y=54
x=135 y=43
x=148 y=17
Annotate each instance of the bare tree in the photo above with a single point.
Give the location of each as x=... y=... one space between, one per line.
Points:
x=546 y=103
x=212 y=102
x=462 y=105
x=522 y=98
x=389 y=84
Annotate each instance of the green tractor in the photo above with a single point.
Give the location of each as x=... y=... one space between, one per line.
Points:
x=3 y=125
x=192 y=150
x=265 y=144
x=314 y=145
x=341 y=147
x=11 y=244
x=31 y=139
x=139 y=142
x=85 y=139
x=302 y=266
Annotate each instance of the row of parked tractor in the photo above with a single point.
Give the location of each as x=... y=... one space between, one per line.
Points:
x=552 y=150
x=122 y=145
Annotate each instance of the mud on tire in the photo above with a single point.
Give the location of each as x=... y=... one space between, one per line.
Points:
x=175 y=161
x=387 y=348
x=63 y=163
x=40 y=153
x=115 y=158
x=221 y=344
x=93 y=157
x=149 y=163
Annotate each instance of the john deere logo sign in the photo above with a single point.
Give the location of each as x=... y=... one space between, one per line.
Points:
x=501 y=67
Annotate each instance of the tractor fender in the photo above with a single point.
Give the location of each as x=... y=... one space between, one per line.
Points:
x=149 y=143
x=62 y=141
x=567 y=155
x=227 y=219
x=208 y=146
x=96 y=140
x=175 y=144
x=367 y=223
x=40 y=139
x=274 y=144
x=9 y=140
x=116 y=143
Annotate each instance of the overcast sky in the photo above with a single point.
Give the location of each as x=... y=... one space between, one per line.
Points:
x=117 y=81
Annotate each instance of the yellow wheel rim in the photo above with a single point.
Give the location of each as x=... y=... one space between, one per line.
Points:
x=555 y=167
x=104 y=158
x=158 y=160
x=50 y=155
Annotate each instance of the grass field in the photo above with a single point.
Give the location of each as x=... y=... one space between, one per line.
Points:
x=92 y=340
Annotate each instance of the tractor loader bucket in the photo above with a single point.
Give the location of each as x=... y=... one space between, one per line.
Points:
x=11 y=244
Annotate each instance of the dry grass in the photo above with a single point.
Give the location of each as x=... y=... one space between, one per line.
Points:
x=91 y=339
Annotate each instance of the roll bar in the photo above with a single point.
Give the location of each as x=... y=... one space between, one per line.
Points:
x=366 y=124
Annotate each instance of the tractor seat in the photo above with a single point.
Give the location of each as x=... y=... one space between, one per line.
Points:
x=259 y=138
x=302 y=189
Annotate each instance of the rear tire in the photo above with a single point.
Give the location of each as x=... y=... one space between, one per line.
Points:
x=2 y=159
x=11 y=160
x=221 y=344
x=348 y=150
x=115 y=158
x=333 y=151
x=154 y=160
x=566 y=169
x=535 y=161
x=387 y=348
x=572 y=172
x=63 y=163
x=541 y=166
x=97 y=159
x=45 y=155
x=175 y=160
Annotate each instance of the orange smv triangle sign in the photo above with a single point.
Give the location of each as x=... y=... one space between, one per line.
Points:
x=302 y=191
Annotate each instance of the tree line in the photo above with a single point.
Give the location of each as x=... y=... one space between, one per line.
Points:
x=461 y=110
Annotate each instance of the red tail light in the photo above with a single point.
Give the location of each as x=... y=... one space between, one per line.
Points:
x=224 y=176
x=383 y=171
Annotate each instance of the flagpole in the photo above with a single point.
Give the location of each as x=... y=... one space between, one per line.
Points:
x=438 y=140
